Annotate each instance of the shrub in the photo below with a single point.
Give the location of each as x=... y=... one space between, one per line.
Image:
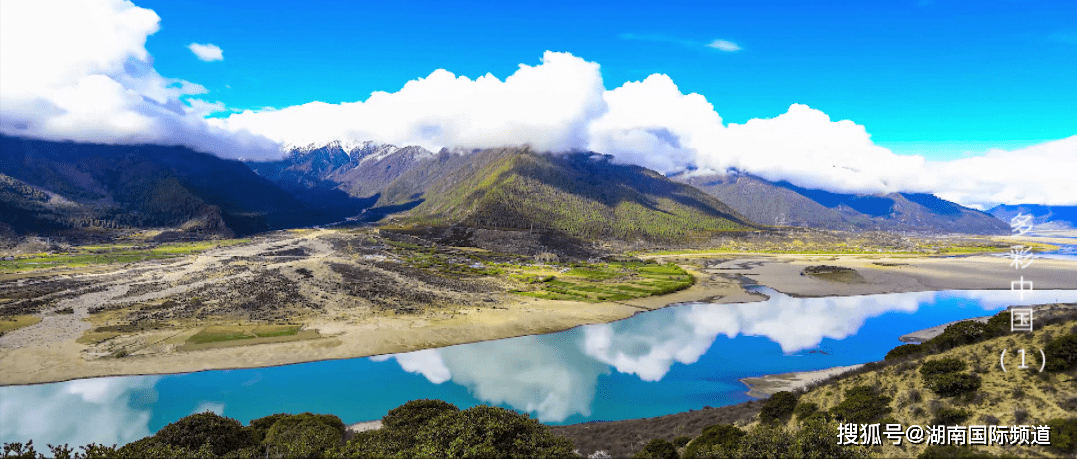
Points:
x=942 y=366
x=949 y=417
x=681 y=441
x=1061 y=353
x=804 y=410
x=260 y=427
x=778 y=407
x=489 y=432
x=952 y=384
x=221 y=434
x=903 y=350
x=766 y=441
x=862 y=404
x=951 y=451
x=658 y=449
x=304 y=435
x=719 y=437
x=413 y=414
x=151 y=448
x=1064 y=434
x=815 y=439
x=999 y=324
x=959 y=334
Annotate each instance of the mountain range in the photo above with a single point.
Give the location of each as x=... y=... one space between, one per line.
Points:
x=48 y=187
x=54 y=186
x=784 y=204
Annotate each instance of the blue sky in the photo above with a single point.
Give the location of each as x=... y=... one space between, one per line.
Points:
x=933 y=78
x=930 y=96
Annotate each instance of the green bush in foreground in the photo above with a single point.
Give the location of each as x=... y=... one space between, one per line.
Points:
x=862 y=404
x=904 y=350
x=219 y=433
x=779 y=407
x=952 y=384
x=713 y=440
x=949 y=417
x=1064 y=434
x=807 y=410
x=658 y=449
x=941 y=366
x=951 y=451
x=1061 y=353
x=304 y=435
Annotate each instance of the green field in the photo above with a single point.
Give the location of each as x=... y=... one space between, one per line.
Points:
x=9 y=323
x=595 y=283
x=219 y=333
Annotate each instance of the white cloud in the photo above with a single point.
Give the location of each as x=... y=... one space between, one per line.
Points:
x=426 y=362
x=1039 y=174
x=207 y=52
x=547 y=106
x=80 y=71
x=724 y=45
x=101 y=410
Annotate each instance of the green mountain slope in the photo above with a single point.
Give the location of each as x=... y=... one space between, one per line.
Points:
x=580 y=194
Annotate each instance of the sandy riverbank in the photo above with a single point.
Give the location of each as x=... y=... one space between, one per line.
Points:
x=60 y=360
x=765 y=386
x=55 y=356
x=887 y=274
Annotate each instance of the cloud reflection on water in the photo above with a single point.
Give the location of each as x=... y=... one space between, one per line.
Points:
x=101 y=410
x=555 y=375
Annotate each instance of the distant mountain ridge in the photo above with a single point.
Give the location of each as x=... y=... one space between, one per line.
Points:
x=361 y=170
x=785 y=204
x=583 y=195
x=51 y=186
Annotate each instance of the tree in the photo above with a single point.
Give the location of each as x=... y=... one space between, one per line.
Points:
x=488 y=432
x=304 y=435
x=260 y=427
x=221 y=434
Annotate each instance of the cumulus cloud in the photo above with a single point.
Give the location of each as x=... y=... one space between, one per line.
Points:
x=724 y=45
x=547 y=106
x=426 y=362
x=207 y=52
x=80 y=71
x=1039 y=174
x=100 y=410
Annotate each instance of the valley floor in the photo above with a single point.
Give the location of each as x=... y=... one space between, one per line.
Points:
x=312 y=295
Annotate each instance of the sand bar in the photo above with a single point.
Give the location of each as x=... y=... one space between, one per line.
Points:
x=765 y=386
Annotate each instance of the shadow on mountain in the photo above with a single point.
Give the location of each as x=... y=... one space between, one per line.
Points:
x=95 y=186
x=874 y=206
